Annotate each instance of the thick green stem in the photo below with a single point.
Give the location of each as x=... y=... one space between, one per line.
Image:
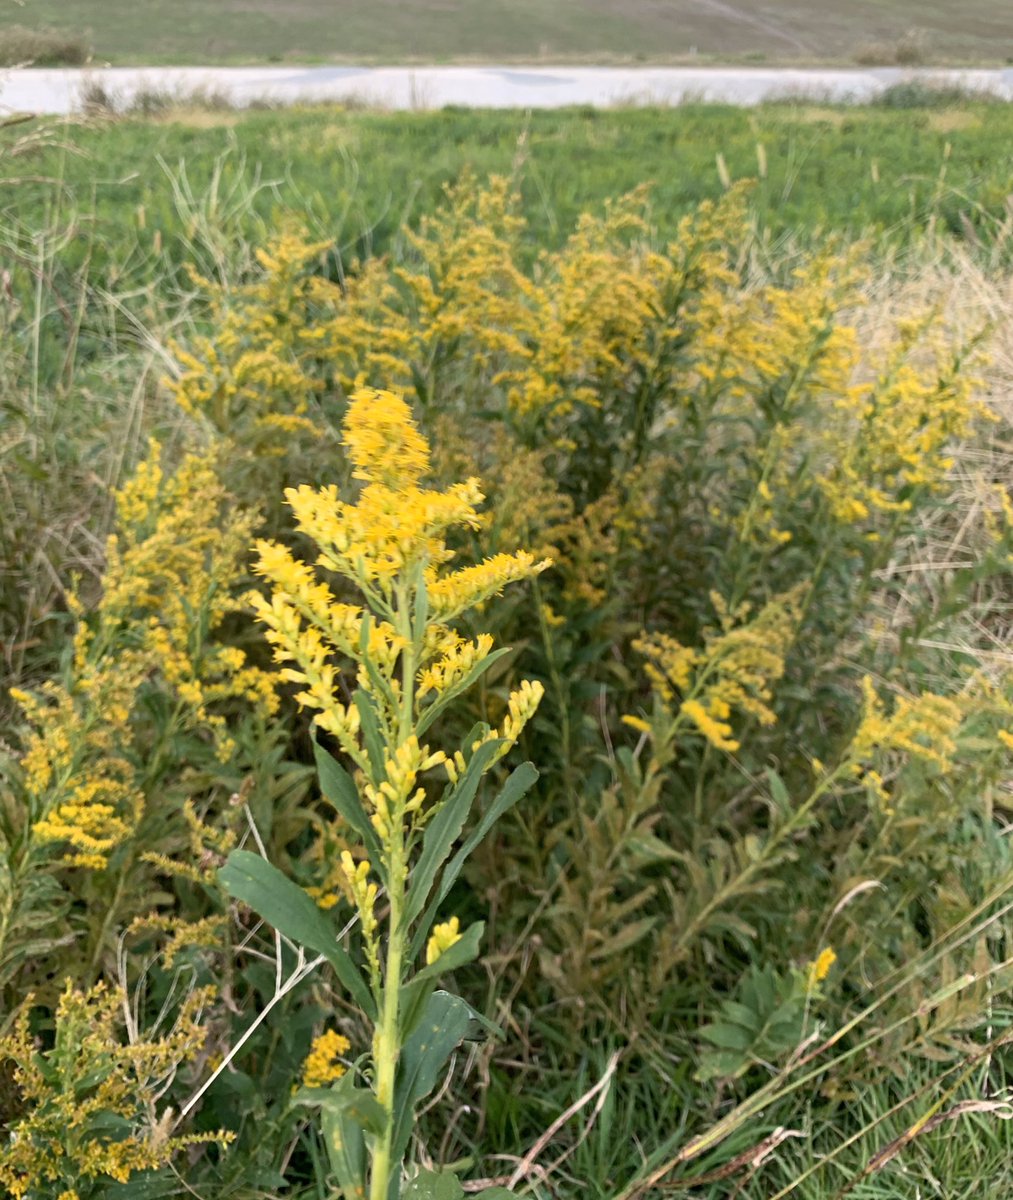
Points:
x=387 y=1036
x=386 y=1040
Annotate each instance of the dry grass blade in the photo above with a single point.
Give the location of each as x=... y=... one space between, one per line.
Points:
x=997 y=1108
x=528 y=1165
x=752 y=1158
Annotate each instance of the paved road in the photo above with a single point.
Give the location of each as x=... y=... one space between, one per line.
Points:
x=59 y=90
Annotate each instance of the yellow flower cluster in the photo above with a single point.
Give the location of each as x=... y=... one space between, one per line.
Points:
x=442 y=938
x=408 y=660
x=894 y=436
x=734 y=672
x=396 y=528
x=466 y=286
x=924 y=727
x=255 y=377
x=819 y=969
x=168 y=586
x=323 y=1064
x=68 y=1094
x=78 y=764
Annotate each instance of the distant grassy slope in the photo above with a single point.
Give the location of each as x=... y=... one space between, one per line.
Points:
x=438 y=30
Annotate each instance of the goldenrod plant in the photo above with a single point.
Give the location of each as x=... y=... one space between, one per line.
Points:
x=88 y=1115
x=141 y=699
x=405 y=665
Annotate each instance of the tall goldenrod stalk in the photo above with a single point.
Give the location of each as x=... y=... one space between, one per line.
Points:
x=409 y=665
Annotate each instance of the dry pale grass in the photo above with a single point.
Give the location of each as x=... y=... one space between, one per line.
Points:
x=972 y=299
x=953 y=120
x=818 y=115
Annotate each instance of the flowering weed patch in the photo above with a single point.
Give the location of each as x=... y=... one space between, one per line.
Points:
x=763 y=860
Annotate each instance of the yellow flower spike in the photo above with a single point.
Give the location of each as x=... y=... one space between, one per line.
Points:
x=924 y=727
x=455 y=664
x=452 y=594
x=717 y=732
x=521 y=707
x=442 y=938
x=391 y=542
x=819 y=969
x=364 y=893
x=382 y=441
x=637 y=723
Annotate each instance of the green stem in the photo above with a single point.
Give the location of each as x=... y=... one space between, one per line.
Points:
x=386 y=1041
x=386 y=1037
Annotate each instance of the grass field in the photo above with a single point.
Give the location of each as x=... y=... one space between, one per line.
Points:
x=199 y=31
x=896 y=173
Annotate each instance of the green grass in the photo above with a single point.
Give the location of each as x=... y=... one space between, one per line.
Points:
x=438 y=30
x=355 y=176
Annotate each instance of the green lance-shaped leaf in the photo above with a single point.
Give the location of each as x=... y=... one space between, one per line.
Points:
x=356 y=1103
x=285 y=906
x=145 y=1186
x=339 y=788
x=343 y=1136
x=420 y=610
x=434 y=1185
x=415 y=993
x=519 y=782
x=370 y=725
x=445 y=828
x=444 y=1025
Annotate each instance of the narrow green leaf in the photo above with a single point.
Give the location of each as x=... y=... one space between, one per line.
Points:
x=464 y=950
x=343 y=1136
x=415 y=993
x=519 y=781
x=778 y=791
x=149 y=1185
x=417 y=582
x=434 y=1185
x=370 y=725
x=339 y=788
x=443 y=1027
x=285 y=906
x=445 y=828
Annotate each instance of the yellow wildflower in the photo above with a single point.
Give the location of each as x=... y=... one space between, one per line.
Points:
x=924 y=727
x=442 y=938
x=735 y=670
x=323 y=1063
x=718 y=732
x=820 y=968
x=396 y=527
x=383 y=443
x=61 y=1128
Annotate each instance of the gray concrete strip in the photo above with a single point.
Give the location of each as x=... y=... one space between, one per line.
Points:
x=60 y=90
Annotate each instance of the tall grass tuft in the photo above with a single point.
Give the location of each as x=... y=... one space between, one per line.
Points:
x=24 y=47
